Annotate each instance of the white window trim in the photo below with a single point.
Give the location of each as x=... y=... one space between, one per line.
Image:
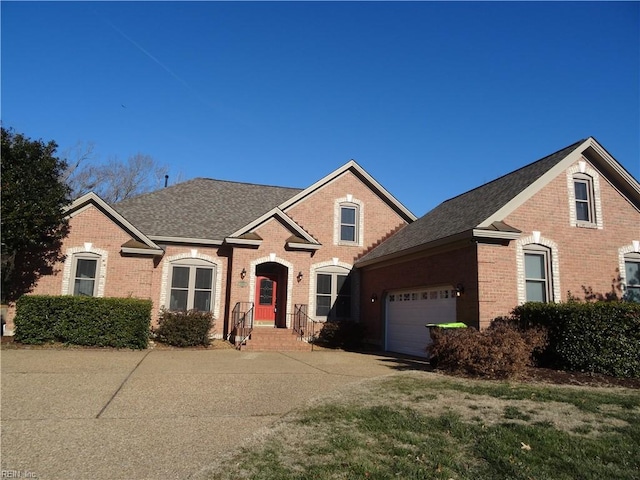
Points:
x=169 y=262
x=623 y=253
x=355 y=287
x=543 y=254
x=582 y=167
x=536 y=239
x=68 y=273
x=192 y=267
x=337 y=220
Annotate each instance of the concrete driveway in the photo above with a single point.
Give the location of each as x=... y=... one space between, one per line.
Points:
x=106 y=414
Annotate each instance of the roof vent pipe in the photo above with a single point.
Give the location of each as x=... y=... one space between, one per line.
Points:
x=166 y=180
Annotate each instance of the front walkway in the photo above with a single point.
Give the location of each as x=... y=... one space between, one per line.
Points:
x=106 y=414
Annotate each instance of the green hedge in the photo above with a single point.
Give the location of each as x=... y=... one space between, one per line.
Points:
x=600 y=337
x=341 y=334
x=103 y=322
x=184 y=329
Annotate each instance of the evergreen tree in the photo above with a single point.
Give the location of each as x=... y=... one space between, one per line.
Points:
x=33 y=196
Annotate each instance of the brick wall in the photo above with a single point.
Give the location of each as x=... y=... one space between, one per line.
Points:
x=586 y=257
x=92 y=231
x=316 y=214
x=147 y=277
x=447 y=268
x=160 y=287
x=494 y=285
x=134 y=276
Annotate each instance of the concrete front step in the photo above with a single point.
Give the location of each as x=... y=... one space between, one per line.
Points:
x=274 y=339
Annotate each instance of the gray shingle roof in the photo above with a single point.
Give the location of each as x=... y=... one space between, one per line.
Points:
x=202 y=208
x=465 y=212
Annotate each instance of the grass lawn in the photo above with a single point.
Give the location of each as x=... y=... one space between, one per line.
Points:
x=422 y=425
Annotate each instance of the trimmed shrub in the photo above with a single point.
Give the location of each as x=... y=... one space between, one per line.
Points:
x=35 y=319
x=340 y=334
x=184 y=329
x=600 y=337
x=89 y=321
x=501 y=351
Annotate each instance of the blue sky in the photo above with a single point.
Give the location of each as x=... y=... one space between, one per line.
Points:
x=431 y=98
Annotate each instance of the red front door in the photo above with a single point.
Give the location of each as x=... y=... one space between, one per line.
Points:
x=266 y=306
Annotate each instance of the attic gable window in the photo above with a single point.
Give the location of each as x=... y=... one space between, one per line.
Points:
x=583 y=188
x=348 y=221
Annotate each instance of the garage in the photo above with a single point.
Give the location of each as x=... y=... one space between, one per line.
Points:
x=407 y=313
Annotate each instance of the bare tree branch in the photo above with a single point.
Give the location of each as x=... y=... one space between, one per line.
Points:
x=77 y=173
x=114 y=180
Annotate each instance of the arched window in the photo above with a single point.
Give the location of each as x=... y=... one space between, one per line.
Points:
x=585 y=205
x=538 y=269
x=632 y=277
x=630 y=271
x=584 y=198
x=333 y=293
x=537 y=273
x=348 y=221
x=191 y=284
x=86 y=270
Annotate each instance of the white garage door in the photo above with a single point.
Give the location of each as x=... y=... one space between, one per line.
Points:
x=408 y=311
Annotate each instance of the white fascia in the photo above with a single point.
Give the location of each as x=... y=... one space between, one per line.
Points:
x=275 y=212
x=536 y=186
x=81 y=203
x=187 y=240
x=351 y=165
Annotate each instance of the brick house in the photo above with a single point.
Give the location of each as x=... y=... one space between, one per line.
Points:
x=251 y=254
x=567 y=224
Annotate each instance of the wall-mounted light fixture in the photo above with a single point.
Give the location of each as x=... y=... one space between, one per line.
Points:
x=243 y=273
x=459 y=290
x=299 y=276
x=374 y=298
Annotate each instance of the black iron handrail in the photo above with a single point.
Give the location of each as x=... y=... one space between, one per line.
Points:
x=303 y=325
x=242 y=317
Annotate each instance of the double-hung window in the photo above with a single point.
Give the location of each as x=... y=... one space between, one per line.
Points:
x=348 y=223
x=333 y=295
x=85 y=274
x=584 y=198
x=632 y=278
x=192 y=286
x=537 y=271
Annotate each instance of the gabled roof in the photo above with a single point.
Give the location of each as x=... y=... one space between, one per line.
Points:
x=139 y=244
x=308 y=242
x=283 y=218
x=367 y=179
x=201 y=210
x=215 y=211
x=479 y=212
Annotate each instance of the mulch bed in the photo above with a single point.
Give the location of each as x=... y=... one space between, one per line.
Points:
x=560 y=377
